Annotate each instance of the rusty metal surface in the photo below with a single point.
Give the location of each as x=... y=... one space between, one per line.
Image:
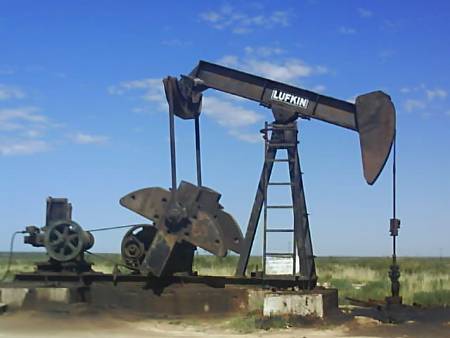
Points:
x=185 y=105
x=372 y=116
x=190 y=301
x=375 y=118
x=137 y=242
x=159 y=283
x=58 y=209
x=282 y=137
x=190 y=214
x=261 y=89
x=64 y=239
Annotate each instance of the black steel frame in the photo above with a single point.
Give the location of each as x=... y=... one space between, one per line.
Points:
x=283 y=136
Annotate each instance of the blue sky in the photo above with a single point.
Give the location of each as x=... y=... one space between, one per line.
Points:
x=82 y=114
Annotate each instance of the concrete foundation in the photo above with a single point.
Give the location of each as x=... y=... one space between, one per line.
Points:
x=316 y=303
x=18 y=297
x=177 y=299
x=14 y=298
x=58 y=295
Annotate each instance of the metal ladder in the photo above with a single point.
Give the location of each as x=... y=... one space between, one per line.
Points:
x=282 y=136
x=274 y=140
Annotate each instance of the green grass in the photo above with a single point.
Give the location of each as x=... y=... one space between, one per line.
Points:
x=222 y=266
x=255 y=321
x=423 y=280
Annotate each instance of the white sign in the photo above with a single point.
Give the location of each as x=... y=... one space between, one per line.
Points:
x=293 y=100
x=281 y=265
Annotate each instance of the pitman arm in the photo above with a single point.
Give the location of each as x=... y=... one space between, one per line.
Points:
x=372 y=115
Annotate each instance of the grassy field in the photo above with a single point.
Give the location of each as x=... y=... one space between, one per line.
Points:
x=423 y=280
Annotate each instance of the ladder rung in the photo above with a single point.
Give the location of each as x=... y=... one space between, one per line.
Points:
x=279 y=230
x=279 y=183
x=280 y=160
x=280 y=207
x=280 y=254
x=281 y=145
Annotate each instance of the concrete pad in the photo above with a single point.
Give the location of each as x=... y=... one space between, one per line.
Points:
x=315 y=303
x=58 y=295
x=256 y=299
x=14 y=297
x=176 y=300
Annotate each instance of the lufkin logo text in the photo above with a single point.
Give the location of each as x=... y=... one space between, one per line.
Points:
x=278 y=95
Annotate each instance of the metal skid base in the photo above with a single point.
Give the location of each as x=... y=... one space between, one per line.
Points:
x=158 y=283
x=167 y=297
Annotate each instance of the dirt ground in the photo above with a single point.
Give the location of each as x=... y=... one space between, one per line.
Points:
x=83 y=322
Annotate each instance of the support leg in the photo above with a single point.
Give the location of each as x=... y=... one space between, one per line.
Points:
x=301 y=221
x=197 y=151
x=256 y=212
x=173 y=161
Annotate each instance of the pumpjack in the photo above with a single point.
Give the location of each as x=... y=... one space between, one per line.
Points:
x=189 y=216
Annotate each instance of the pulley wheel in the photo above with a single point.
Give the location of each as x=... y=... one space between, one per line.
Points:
x=65 y=240
x=137 y=241
x=135 y=244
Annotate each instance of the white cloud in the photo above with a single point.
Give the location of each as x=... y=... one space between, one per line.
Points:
x=263 y=51
x=152 y=88
x=240 y=22
x=347 y=30
x=228 y=114
x=22 y=147
x=10 y=92
x=211 y=16
x=227 y=110
x=287 y=70
x=436 y=93
x=413 y=104
x=422 y=89
x=246 y=137
x=22 y=131
x=134 y=84
x=21 y=118
x=405 y=90
x=364 y=13
x=82 y=138
x=424 y=98
x=229 y=60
